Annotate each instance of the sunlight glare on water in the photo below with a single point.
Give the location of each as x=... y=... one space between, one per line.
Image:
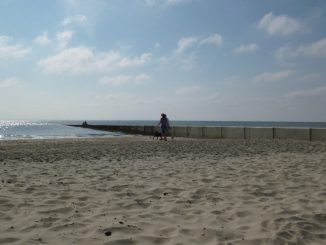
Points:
x=20 y=129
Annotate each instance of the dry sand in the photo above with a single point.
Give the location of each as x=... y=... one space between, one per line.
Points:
x=135 y=190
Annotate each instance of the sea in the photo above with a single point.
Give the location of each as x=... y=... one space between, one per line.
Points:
x=20 y=129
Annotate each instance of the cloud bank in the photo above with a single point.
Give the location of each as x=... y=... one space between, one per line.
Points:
x=81 y=59
x=282 y=25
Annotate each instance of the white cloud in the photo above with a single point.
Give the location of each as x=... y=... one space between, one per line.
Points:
x=314 y=50
x=280 y=25
x=84 y=14
x=74 y=19
x=82 y=59
x=187 y=90
x=186 y=42
x=215 y=39
x=8 y=50
x=274 y=76
x=167 y=3
x=73 y=60
x=64 y=38
x=10 y=82
x=42 y=39
x=184 y=54
x=308 y=93
x=126 y=62
x=124 y=79
x=246 y=48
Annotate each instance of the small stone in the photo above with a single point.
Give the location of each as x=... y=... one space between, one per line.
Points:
x=121 y=223
x=108 y=233
x=165 y=193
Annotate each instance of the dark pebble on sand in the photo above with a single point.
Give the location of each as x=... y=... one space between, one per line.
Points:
x=165 y=193
x=121 y=223
x=108 y=233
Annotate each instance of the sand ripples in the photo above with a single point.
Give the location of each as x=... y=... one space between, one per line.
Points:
x=139 y=191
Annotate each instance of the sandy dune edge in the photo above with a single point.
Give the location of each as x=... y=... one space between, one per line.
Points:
x=141 y=191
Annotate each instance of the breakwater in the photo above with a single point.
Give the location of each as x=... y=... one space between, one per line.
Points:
x=212 y=132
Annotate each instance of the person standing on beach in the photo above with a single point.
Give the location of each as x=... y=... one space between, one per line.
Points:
x=164 y=123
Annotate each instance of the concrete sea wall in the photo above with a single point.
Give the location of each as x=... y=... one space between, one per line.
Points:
x=309 y=134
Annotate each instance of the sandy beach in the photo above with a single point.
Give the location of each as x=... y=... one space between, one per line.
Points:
x=136 y=190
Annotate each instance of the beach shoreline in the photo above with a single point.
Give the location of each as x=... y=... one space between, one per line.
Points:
x=136 y=190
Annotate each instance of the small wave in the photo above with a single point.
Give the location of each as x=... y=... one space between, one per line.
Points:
x=103 y=135
x=95 y=135
x=15 y=123
x=46 y=130
x=11 y=136
x=36 y=137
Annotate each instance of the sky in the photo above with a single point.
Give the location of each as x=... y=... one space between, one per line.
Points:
x=239 y=60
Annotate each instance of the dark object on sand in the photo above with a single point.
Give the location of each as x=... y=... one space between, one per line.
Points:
x=157 y=134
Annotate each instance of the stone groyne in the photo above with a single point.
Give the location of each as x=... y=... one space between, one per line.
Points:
x=212 y=132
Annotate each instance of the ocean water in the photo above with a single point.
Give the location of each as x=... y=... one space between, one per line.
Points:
x=59 y=129
x=208 y=123
x=46 y=130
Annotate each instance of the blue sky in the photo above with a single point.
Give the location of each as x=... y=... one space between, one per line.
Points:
x=192 y=59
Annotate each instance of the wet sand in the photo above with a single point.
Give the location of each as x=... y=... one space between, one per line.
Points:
x=136 y=190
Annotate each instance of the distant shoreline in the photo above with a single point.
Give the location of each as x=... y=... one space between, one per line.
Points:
x=58 y=129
